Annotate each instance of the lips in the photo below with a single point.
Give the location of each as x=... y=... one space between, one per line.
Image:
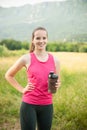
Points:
x=41 y=44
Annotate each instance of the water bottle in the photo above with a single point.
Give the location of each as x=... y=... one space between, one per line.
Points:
x=52 y=79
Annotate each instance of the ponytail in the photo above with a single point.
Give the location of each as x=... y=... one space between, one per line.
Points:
x=32 y=47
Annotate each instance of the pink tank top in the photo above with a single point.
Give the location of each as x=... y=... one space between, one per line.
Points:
x=37 y=73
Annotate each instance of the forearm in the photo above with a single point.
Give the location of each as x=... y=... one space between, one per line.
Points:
x=14 y=83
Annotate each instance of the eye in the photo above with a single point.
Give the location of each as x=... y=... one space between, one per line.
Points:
x=38 y=38
x=44 y=38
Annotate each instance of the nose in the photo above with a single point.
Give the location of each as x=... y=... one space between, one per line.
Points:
x=41 y=40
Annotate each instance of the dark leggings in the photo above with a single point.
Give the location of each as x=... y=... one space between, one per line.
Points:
x=32 y=114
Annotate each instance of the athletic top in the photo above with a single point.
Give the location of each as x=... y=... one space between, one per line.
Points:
x=37 y=74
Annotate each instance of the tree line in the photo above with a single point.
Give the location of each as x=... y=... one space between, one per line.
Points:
x=12 y=44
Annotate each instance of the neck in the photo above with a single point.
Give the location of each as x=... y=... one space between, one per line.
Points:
x=41 y=55
x=43 y=52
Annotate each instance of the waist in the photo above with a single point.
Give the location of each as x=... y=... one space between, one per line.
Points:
x=37 y=99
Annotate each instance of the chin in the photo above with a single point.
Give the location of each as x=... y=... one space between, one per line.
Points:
x=40 y=49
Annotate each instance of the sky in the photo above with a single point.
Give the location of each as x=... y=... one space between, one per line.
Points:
x=16 y=3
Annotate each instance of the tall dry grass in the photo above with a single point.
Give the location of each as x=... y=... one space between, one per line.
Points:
x=70 y=101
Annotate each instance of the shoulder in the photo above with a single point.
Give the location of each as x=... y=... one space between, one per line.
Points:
x=25 y=58
x=56 y=59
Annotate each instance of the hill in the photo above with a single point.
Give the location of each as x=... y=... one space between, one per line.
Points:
x=64 y=21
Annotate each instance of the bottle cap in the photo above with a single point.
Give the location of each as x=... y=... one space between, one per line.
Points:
x=51 y=72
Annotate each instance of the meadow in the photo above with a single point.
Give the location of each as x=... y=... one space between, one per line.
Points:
x=70 y=101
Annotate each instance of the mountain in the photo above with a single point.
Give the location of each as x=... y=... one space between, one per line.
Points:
x=66 y=20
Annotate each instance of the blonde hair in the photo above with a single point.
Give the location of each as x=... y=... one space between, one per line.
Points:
x=32 y=47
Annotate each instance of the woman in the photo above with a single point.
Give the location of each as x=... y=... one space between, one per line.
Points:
x=37 y=105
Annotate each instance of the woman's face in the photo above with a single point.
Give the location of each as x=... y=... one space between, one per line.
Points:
x=40 y=39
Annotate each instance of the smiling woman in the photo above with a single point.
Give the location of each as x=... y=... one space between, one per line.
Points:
x=37 y=104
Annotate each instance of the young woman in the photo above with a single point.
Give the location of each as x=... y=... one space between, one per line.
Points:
x=37 y=105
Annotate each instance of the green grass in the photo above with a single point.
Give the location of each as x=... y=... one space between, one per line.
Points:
x=70 y=101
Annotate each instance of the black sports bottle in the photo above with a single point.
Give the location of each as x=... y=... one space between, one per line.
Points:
x=52 y=79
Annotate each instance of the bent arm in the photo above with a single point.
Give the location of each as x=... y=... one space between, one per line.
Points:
x=10 y=74
x=57 y=64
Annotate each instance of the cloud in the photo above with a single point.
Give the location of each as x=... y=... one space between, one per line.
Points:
x=9 y=3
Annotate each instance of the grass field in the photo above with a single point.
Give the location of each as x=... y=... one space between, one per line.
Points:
x=70 y=101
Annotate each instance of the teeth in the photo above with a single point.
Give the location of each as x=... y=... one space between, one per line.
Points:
x=41 y=44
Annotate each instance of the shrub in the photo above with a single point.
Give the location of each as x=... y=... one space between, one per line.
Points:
x=3 y=51
x=83 y=48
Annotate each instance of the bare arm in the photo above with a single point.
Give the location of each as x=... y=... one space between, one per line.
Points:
x=57 y=64
x=10 y=74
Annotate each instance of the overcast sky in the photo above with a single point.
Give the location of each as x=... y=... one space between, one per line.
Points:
x=10 y=3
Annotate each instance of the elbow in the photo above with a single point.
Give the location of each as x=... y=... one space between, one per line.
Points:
x=6 y=76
